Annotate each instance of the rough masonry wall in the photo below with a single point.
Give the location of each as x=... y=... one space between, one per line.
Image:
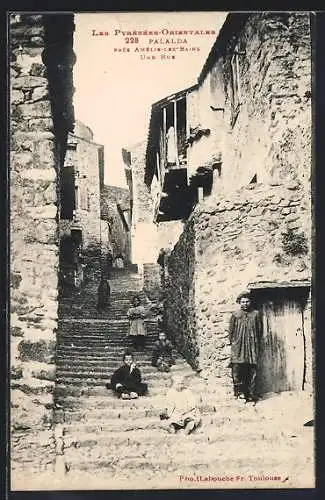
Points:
x=34 y=246
x=270 y=135
x=238 y=230
x=179 y=303
x=118 y=237
x=35 y=155
x=144 y=231
x=237 y=242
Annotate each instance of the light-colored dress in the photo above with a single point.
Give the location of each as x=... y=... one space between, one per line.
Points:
x=181 y=407
x=136 y=316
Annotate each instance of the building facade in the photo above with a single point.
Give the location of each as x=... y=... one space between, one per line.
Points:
x=147 y=236
x=42 y=116
x=115 y=225
x=246 y=185
x=82 y=179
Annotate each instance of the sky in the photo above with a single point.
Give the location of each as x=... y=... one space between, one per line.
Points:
x=114 y=90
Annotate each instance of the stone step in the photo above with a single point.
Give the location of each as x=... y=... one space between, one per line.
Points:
x=101 y=361
x=117 y=351
x=107 y=354
x=238 y=421
x=69 y=387
x=112 y=346
x=108 y=400
x=180 y=446
x=154 y=384
x=184 y=464
x=122 y=413
x=68 y=357
x=104 y=374
x=99 y=321
x=117 y=339
x=142 y=438
x=75 y=325
x=109 y=336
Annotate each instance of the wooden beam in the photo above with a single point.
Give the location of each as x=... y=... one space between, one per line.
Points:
x=175 y=131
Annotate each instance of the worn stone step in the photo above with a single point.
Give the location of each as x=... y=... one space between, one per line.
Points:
x=108 y=400
x=183 y=464
x=122 y=413
x=97 y=358
x=104 y=374
x=213 y=419
x=178 y=448
x=102 y=363
x=93 y=324
x=108 y=355
x=67 y=388
x=114 y=326
x=80 y=370
x=112 y=425
x=104 y=344
x=153 y=384
x=200 y=436
x=107 y=337
x=79 y=348
x=114 y=358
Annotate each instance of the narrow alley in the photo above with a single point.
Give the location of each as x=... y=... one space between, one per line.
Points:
x=180 y=203
x=115 y=443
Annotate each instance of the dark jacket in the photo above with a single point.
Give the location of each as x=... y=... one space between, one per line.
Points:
x=161 y=350
x=123 y=376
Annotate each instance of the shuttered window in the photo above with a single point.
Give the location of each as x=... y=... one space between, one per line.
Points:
x=67 y=193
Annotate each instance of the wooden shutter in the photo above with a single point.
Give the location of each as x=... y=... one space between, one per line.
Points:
x=67 y=193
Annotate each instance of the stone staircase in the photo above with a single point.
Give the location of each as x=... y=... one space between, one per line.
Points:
x=109 y=443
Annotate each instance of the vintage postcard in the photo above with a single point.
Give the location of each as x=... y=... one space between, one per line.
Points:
x=160 y=250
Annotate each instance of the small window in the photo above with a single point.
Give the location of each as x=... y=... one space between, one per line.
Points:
x=67 y=193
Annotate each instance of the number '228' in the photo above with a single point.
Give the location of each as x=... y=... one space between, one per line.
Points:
x=131 y=39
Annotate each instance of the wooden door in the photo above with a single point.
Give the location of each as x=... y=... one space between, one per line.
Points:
x=281 y=365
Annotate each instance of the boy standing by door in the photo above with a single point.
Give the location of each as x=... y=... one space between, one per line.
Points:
x=245 y=332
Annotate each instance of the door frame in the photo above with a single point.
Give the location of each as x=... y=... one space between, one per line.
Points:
x=258 y=286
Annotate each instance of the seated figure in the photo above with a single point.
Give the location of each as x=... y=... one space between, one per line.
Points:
x=162 y=356
x=126 y=380
x=181 y=410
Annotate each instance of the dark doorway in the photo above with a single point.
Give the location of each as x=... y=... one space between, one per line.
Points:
x=281 y=364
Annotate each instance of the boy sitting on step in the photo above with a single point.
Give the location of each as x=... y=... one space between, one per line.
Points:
x=162 y=355
x=126 y=380
x=181 y=410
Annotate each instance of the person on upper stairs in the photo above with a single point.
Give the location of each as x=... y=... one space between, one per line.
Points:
x=181 y=409
x=162 y=355
x=137 y=330
x=104 y=294
x=126 y=380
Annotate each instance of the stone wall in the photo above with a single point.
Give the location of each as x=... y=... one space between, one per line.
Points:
x=38 y=140
x=227 y=245
x=270 y=134
x=143 y=230
x=259 y=209
x=147 y=238
x=116 y=222
x=83 y=155
x=180 y=307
